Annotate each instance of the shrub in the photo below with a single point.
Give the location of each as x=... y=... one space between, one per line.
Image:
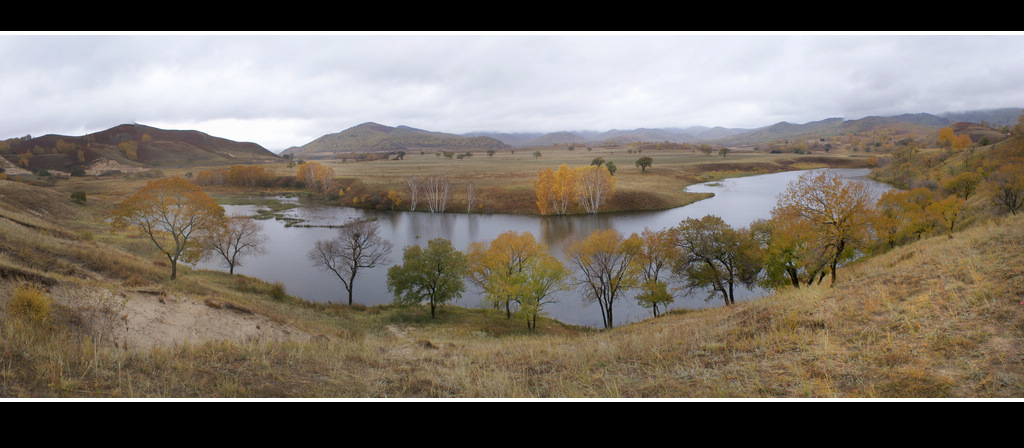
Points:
x=78 y=197
x=277 y=291
x=30 y=301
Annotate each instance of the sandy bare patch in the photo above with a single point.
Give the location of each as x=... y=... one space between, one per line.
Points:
x=142 y=320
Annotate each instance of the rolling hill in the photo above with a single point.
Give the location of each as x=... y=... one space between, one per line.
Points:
x=373 y=137
x=131 y=146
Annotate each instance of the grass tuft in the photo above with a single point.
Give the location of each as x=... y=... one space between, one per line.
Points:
x=29 y=301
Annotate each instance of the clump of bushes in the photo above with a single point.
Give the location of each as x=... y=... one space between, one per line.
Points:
x=31 y=302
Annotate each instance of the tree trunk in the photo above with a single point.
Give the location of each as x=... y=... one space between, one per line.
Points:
x=610 y=324
x=835 y=261
x=732 y=296
x=350 y=286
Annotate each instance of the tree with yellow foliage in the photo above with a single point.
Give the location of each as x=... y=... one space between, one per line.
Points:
x=833 y=212
x=392 y=199
x=946 y=137
x=948 y=212
x=555 y=190
x=515 y=270
x=897 y=215
x=657 y=253
x=963 y=184
x=607 y=265
x=129 y=148
x=174 y=213
x=316 y=176
x=784 y=255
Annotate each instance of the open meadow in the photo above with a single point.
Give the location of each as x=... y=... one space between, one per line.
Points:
x=504 y=181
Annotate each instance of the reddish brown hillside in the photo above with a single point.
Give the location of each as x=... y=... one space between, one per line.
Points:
x=977 y=132
x=149 y=147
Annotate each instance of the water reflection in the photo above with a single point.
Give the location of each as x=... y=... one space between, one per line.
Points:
x=738 y=201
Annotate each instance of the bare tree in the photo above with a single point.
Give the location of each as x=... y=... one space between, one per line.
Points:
x=436 y=191
x=414 y=191
x=594 y=185
x=240 y=236
x=470 y=197
x=358 y=245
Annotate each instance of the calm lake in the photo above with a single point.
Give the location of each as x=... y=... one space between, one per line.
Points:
x=738 y=201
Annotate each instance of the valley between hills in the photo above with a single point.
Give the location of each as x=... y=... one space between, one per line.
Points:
x=937 y=314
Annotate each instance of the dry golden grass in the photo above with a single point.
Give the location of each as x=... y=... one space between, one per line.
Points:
x=504 y=182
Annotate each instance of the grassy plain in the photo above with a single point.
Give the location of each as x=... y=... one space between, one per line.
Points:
x=503 y=183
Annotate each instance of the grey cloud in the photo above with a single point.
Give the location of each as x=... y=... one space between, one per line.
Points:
x=309 y=85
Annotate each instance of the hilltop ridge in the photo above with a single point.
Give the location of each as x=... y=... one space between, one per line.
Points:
x=129 y=145
x=374 y=137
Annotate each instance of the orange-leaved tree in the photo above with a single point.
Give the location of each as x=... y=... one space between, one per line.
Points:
x=315 y=175
x=174 y=213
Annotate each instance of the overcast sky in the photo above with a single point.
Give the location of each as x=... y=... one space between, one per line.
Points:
x=282 y=90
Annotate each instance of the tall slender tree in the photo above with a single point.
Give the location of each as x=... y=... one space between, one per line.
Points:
x=606 y=265
x=594 y=185
x=656 y=256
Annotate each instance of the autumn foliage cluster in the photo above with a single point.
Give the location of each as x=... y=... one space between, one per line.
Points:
x=587 y=187
x=238 y=175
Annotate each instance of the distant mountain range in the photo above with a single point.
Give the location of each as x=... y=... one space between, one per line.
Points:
x=372 y=137
x=737 y=136
x=136 y=145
